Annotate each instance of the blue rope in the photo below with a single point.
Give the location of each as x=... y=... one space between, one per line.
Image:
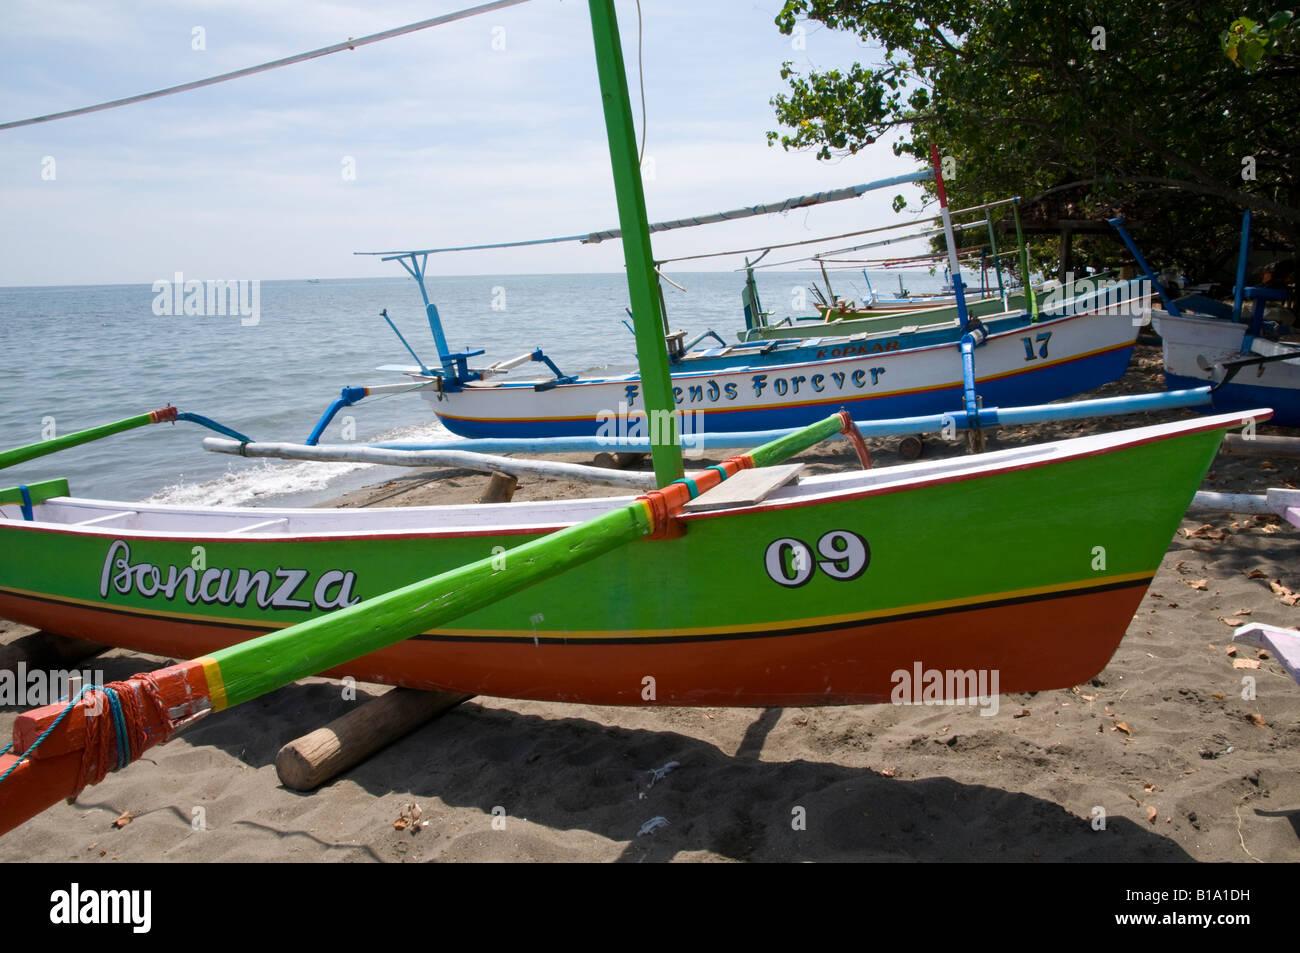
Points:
x=119 y=725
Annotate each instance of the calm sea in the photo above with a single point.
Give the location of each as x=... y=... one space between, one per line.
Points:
x=76 y=357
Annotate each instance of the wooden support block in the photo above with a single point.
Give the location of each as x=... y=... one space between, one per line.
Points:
x=1238 y=445
x=306 y=763
x=500 y=489
x=745 y=488
x=44 y=650
x=911 y=447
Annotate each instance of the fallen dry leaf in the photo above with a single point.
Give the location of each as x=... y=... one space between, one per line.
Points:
x=1151 y=814
x=125 y=818
x=1148 y=788
x=1288 y=597
x=1267 y=465
x=1245 y=663
x=1243 y=612
x=1257 y=719
x=1257 y=574
x=410 y=817
x=1201 y=584
x=1263 y=653
x=1217 y=695
x=1231 y=650
x=1120 y=726
x=1232 y=622
x=1021 y=714
x=888 y=772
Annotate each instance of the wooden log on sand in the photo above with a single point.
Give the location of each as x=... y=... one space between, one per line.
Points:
x=306 y=763
x=911 y=447
x=500 y=489
x=1239 y=445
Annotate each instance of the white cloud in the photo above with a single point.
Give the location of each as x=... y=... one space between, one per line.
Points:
x=453 y=142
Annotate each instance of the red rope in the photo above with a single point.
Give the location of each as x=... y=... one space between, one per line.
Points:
x=100 y=755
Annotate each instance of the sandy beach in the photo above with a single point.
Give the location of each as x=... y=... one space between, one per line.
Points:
x=1161 y=746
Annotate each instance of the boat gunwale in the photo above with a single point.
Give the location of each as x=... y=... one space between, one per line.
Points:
x=811 y=491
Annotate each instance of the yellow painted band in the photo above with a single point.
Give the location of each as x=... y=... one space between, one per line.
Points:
x=216 y=684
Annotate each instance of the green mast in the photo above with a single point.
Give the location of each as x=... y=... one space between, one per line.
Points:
x=652 y=351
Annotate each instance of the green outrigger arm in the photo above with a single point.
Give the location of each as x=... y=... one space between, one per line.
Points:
x=11 y=458
x=53 y=745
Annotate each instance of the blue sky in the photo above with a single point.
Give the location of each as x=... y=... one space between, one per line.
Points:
x=453 y=141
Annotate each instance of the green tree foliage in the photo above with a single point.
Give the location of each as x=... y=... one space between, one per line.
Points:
x=1161 y=111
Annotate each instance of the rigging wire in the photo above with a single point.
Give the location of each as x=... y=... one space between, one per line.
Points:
x=829 y=238
x=640 y=75
x=348 y=44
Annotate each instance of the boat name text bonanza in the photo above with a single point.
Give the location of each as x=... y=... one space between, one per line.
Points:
x=333 y=589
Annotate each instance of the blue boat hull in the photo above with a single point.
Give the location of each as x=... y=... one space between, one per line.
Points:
x=1233 y=396
x=1026 y=387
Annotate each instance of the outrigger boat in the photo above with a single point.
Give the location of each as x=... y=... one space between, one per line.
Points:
x=873 y=377
x=1023 y=358
x=879 y=312
x=749 y=589
x=1210 y=342
x=811 y=594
